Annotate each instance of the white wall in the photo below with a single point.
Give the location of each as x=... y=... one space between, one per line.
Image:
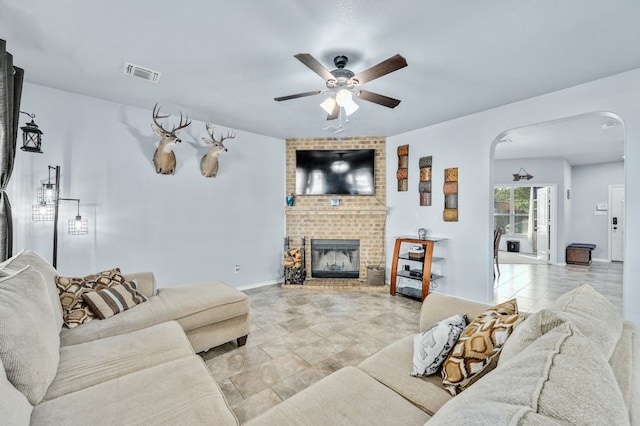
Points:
x=468 y=142
x=183 y=227
x=590 y=187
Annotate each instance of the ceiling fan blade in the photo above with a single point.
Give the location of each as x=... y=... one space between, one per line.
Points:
x=298 y=95
x=335 y=113
x=385 y=67
x=377 y=98
x=315 y=66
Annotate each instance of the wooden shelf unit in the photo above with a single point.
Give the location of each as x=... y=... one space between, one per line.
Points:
x=425 y=262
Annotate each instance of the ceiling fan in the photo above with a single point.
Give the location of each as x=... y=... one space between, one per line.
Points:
x=344 y=82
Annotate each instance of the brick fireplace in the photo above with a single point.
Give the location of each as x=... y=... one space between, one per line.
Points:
x=357 y=217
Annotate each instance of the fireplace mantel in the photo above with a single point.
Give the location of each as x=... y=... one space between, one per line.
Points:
x=331 y=211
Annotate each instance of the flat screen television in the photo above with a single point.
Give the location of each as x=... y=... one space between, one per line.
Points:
x=335 y=172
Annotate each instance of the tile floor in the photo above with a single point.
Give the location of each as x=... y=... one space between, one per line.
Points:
x=301 y=336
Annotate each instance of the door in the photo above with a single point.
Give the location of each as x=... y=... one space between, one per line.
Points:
x=543 y=233
x=616 y=222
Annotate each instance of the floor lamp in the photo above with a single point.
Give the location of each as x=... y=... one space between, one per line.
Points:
x=48 y=208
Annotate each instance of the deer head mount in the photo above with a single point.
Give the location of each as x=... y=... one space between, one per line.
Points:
x=209 y=161
x=164 y=159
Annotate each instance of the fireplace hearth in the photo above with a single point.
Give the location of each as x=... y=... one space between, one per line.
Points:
x=335 y=258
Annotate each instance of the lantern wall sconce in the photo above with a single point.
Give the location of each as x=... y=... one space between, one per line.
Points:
x=31 y=135
x=522 y=175
x=47 y=209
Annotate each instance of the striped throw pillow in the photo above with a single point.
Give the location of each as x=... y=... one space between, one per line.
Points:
x=109 y=301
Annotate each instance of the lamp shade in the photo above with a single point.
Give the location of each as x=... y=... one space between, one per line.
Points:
x=78 y=226
x=343 y=97
x=350 y=107
x=328 y=105
x=42 y=212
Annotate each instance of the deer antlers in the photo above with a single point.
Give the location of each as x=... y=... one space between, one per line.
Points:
x=156 y=112
x=209 y=126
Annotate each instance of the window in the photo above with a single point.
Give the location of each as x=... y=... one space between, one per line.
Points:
x=511 y=209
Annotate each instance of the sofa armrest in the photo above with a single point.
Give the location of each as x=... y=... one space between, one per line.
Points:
x=437 y=307
x=146 y=282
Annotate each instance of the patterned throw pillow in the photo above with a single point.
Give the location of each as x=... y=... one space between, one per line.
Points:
x=107 y=302
x=479 y=343
x=75 y=310
x=432 y=347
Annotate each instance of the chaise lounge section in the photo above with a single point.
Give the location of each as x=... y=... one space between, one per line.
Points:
x=137 y=367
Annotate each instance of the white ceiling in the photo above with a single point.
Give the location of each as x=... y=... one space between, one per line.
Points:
x=585 y=139
x=225 y=61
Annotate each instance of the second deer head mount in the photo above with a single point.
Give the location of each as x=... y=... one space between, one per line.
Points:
x=164 y=159
x=209 y=161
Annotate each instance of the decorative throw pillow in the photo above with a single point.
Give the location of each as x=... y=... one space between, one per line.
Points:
x=432 y=347
x=75 y=310
x=478 y=344
x=29 y=336
x=107 y=302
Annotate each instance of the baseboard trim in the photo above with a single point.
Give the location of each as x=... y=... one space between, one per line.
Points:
x=256 y=285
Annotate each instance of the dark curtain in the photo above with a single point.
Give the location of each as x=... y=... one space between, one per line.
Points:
x=10 y=93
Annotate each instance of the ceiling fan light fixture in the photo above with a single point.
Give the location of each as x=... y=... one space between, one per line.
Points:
x=350 y=107
x=328 y=105
x=343 y=96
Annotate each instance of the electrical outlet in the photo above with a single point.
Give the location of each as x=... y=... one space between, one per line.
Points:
x=237 y=269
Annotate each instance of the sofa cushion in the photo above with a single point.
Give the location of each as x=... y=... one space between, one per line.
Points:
x=14 y=406
x=346 y=397
x=98 y=361
x=26 y=257
x=431 y=347
x=29 y=339
x=479 y=343
x=561 y=378
x=108 y=302
x=527 y=332
x=591 y=312
x=177 y=392
x=390 y=365
x=437 y=307
x=193 y=306
x=75 y=309
x=624 y=362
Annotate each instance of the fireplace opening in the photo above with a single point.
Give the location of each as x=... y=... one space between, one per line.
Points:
x=335 y=258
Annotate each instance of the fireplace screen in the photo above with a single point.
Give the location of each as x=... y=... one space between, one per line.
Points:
x=335 y=258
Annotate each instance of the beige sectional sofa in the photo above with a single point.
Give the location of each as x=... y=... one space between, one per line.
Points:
x=137 y=367
x=575 y=363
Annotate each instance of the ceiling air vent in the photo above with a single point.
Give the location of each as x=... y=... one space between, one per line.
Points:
x=141 y=72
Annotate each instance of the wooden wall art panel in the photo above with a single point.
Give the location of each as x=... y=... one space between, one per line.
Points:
x=424 y=187
x=450 y=189
x=403 y=168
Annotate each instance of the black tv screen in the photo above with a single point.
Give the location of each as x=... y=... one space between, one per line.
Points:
x=339 y=172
